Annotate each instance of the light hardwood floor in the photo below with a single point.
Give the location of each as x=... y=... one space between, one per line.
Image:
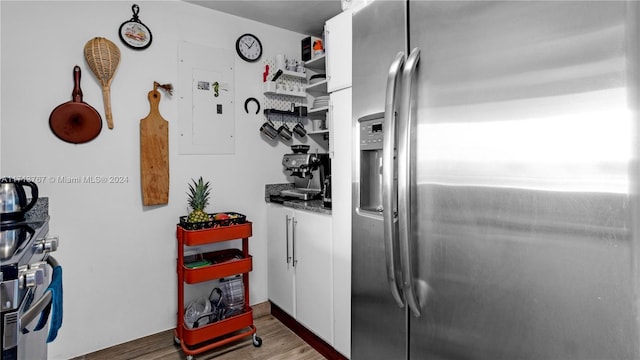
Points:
x=278 y=343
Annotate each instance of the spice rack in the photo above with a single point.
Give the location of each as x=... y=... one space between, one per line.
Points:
x=194 y=341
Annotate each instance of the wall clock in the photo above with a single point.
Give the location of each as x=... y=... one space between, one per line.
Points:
x=249 y=47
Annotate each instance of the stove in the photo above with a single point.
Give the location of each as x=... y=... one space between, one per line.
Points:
x=25 y=274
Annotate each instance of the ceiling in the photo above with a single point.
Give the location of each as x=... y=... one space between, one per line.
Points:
x=303 y=16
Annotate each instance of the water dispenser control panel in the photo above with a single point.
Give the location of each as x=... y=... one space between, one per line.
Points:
x=371 y=134
x=370 y=172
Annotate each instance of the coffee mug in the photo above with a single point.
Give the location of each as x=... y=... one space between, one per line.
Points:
x=269 y=130
x=281 y=62
x=318 y=124
x=284 y=132
x=292 y=64
x=300 y=130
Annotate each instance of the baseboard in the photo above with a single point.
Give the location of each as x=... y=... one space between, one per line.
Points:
x=309 y=337
x=261 y=309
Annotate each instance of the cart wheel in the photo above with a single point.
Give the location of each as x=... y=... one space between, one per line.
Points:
x=189 y=357
x=257 y=341
x=176 y=341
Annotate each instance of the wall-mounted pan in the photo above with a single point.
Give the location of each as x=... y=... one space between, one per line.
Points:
x=75 y=121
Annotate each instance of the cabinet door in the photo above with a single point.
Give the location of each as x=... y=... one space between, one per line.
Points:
x=338 y=36
x=329 y=123
x=313 y=287
x=341 y=217
x=280 y=257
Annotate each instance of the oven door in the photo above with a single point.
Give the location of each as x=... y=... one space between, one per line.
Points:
x=32 y=344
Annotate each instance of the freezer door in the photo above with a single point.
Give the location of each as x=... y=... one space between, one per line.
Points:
x=523 y=240
x=379 y=325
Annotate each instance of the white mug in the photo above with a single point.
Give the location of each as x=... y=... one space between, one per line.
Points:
x=281 y=62
x=292 y=64
x=318 y=124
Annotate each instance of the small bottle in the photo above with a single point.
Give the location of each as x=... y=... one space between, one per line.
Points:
x=326 y=194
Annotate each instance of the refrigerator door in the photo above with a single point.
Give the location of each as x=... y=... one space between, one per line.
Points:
x=522 y=243
x=379 y=324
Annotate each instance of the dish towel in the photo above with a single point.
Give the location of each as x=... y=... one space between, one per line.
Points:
x=54 y=307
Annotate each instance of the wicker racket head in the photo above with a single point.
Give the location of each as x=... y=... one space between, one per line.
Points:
x=103 y=57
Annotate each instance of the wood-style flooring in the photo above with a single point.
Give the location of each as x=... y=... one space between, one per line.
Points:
x=278 y=343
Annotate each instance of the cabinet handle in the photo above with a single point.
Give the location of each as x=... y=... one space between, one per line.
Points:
x=286 y=228
x=293 y=248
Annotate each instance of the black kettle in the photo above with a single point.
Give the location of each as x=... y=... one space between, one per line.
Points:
x=13 y=199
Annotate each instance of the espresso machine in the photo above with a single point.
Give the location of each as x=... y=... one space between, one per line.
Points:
x=309 y=172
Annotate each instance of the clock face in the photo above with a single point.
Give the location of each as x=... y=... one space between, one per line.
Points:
x=249 y=47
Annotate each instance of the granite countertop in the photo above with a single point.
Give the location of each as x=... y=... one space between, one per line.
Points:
x=272 y=192
x=40 y=211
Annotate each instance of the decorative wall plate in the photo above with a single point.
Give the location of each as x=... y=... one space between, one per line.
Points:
x=134 y=33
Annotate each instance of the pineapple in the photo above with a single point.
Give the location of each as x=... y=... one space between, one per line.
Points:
x=198 y=201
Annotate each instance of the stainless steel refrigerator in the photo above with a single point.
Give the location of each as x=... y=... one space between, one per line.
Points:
x=495 y=180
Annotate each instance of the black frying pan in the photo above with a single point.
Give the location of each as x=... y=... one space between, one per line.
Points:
x=75 y=121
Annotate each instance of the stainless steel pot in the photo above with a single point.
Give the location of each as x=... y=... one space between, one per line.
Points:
x=11 y=238
x=13 y=199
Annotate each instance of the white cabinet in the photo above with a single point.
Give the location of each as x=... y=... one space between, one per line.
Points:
x=341 y=174
x=299 y=264
x=338 y=39
x=331 y=129
x=313 y=273
x=279 y=257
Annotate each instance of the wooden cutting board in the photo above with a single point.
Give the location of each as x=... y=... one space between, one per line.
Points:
x=154 y=154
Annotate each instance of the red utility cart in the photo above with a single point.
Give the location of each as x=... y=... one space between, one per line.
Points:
x=208 y=337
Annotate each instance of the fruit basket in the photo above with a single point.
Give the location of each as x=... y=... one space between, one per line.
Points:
x=215 y=220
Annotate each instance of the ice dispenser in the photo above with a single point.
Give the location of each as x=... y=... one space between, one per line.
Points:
x=371 y=134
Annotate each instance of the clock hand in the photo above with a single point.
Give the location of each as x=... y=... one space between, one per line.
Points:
x=253 y=42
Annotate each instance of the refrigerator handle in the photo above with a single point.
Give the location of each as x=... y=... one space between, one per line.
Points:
x=406 y=175
x=389 y=213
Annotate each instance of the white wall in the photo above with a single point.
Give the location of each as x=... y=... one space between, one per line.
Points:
x=118 y=256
